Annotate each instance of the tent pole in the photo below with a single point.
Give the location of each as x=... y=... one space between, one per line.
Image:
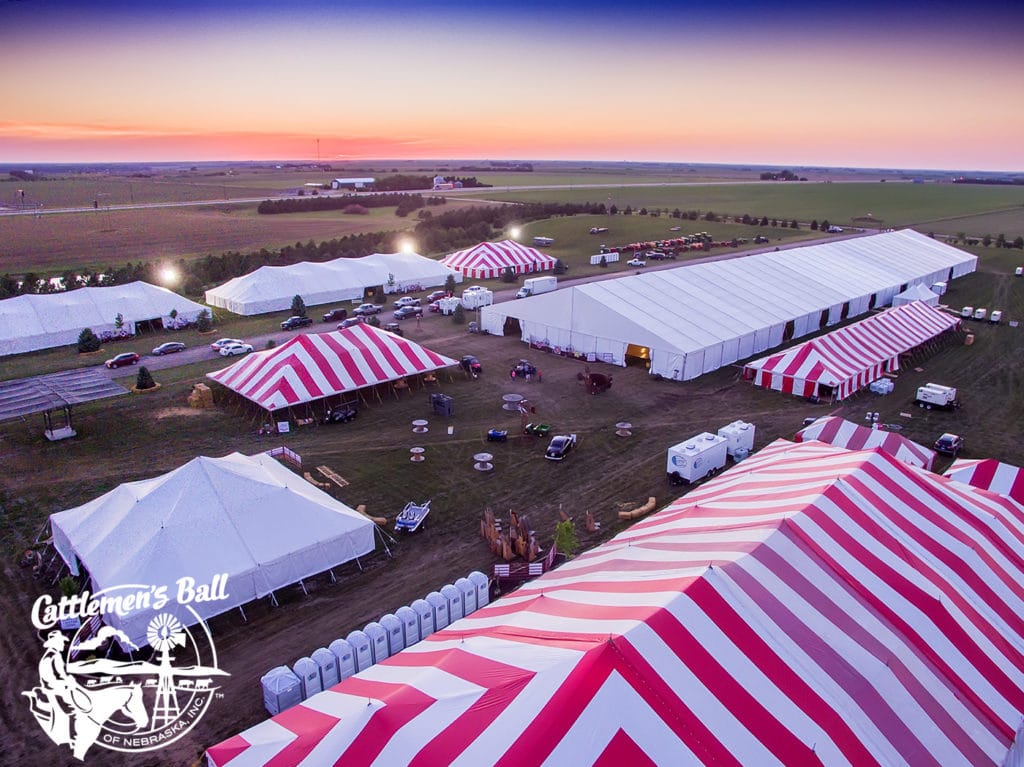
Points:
x=333 y=579
x=273 y=599
x=360 y=564
x=302 y=583
x=243 y=614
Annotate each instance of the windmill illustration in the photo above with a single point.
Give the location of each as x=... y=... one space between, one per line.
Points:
x=164 y=633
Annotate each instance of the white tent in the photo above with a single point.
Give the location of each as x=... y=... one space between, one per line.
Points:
x=272 y=288
x=916 y=292
x=246 y=516
x=694 y=319
x=32 y=322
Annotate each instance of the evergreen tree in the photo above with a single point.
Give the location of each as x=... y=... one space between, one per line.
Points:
x=449 y=284
x=144 y=380
x=88 y=341
x=459 y=315
x=298 y=307
x=204 y=322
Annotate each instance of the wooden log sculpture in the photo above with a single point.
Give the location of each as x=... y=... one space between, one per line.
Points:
x=639 y=511
x=361 y=508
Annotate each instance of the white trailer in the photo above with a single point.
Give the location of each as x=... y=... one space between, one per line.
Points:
x=534 y=286
x=447 y=305
x=937 y=396
x=696 y=458
x=739 y=436
x=474 y=299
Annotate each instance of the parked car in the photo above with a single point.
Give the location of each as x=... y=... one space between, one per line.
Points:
x=168 y=348
x=296 y=322
x=471 y=365
x=394 y=327
x=435 y=306
x=233 y=350
x=342 y=413
x=434 y=295
x=406 y=301
x=655 y=255
x=364 y=310
x=560 y=447
x=636 y=262
x=408 y=311
x=351 y=321
x=949 y=444
x=335 y=314
x=222 y=342
x=126 y=358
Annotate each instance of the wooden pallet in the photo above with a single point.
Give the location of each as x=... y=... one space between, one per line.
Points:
x=332 y=475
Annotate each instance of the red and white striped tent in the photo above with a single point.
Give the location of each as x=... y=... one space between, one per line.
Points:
x=489 y=259
x=837 y=431
x=840 y=363
x=312 y=366
x=811 y=606
x=990 y=474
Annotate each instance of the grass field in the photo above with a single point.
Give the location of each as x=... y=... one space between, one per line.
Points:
x=894 y=204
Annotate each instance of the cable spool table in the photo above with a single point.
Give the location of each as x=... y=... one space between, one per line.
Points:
x=622 y=428
x=483 y=462
x=417 y=454
x=511 y=402
x=419 y=426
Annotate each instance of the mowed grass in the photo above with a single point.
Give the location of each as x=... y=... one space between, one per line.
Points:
x=894 y=204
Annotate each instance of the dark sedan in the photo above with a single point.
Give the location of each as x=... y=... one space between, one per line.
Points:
x=168 y=348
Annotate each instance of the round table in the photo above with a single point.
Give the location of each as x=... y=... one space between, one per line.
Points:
x=419 y=426
x=511 y=402
x=622 y=428
x=417 y=454
x=483 y=462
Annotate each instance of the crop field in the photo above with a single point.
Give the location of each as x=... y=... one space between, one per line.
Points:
x=895 y=205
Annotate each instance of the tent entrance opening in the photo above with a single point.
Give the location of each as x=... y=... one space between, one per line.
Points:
x=512 y=327
x=638 y=356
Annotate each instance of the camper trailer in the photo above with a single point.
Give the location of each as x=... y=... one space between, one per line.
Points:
x=696 y=458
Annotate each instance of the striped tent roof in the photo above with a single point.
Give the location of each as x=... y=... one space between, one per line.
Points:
x=313 y=366
x=846 y=434
x=990 y=474
x=850 y=358
x=812 y=605
x=488 y=259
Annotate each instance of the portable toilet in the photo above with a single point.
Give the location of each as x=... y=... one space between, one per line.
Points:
x=328 y=664
x=378 y=640
x=309 y=675
x=410 y=625
x=483 y=587
x=360 y=649
x=454 y=597
x=440 y=606
x=393 y=631
x=737 y=434
x=425 y=614
x=342 y=650
x=465 y=585
x=281 y=689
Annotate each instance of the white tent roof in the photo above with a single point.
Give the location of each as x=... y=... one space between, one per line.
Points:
x=696 y=318
x=916 y=292
x=246 y=516
x=32 y=322
x=272 y=288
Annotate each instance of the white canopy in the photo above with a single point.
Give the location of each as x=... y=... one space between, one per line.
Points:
x=916 y=292
x=272 y=288
x=246 y=516
x=32 y=322
x=694 y=319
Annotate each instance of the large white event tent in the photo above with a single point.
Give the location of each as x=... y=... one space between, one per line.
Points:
x=247 y=516
x=811 y=606
x=488 y=260
x=31 y=322
x=694 y=319
x=272 y=288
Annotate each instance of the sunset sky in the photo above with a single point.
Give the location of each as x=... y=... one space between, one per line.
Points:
x=870 y=84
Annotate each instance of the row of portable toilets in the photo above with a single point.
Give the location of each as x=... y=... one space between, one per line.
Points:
x=284 y=687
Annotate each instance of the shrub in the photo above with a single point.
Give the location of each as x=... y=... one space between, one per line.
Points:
x=88 y=341
x=603 y=262
x=298 y=307
x=373 y=321
x=449 y=284
x=204 y=322
x=68 y=586
x=559 y=267
x=271 y=343
x=144 y=380
x=565 y=538
x=355 y=210
x=459 y=315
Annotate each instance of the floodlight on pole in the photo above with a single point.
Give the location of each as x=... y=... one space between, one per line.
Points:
x=168 y=275
x=407 y=246
x=514 y=232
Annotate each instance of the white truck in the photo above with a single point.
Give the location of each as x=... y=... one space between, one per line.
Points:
x=696 y=458
x=935 y=396
x=474 y=299
x=534 y=286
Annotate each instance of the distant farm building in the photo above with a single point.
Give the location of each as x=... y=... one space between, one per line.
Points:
x=353 y=183
x=441 y=184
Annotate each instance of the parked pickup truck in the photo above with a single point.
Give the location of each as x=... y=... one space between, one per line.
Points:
x=364 y=310
x=296 y=322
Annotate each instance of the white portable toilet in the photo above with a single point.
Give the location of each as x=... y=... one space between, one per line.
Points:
x=309 y=675
x=328 y=664
x=393 y=627
x=425 y=614
x=281 y=689
x=737 y=434
x=468 y=590
x=454 y=597
x=360 y=649
x=440 y=606
x=378 y=640
x=342 y=650
x=483 y=587
x=410 y=625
